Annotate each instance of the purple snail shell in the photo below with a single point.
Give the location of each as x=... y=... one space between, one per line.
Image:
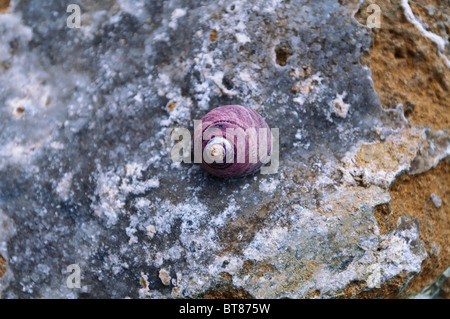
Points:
x=223 y=158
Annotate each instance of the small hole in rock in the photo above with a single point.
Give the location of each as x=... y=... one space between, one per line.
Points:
x=399 y=54
x=409 y=108
x=227 y=82
x=171 y=105
x=283 y=52
x=213 y=36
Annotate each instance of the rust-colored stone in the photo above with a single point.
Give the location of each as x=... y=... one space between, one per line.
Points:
x=406 y=66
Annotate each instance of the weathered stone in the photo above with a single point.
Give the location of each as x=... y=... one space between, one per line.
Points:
x=86 y=175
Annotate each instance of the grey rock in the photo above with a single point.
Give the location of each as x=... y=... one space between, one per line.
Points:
x=437 y=201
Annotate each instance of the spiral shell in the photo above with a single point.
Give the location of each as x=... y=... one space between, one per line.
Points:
x=240 y=153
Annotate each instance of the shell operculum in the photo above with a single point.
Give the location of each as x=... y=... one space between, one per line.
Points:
x=218 y=150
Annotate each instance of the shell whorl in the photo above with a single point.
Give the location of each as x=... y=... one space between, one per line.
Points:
x=233 y=155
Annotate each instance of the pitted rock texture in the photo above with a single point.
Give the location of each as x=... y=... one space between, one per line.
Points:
x=86 y=175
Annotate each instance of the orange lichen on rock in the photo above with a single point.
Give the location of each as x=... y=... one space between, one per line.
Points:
x=411 y=197
x=390 y=154
x=2 y=266
x=4 y=6
x=407 y=67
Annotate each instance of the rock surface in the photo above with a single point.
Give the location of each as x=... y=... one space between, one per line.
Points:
x=86 y=175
